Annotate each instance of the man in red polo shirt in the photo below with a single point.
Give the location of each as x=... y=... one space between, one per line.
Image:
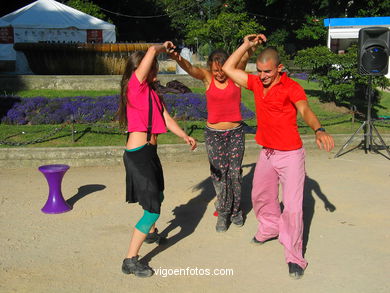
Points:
x=282 y=159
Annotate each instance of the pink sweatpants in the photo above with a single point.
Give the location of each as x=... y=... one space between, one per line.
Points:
x=288 y=169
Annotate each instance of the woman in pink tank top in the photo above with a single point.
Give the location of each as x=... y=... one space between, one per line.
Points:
x=142 y=111
x=224 y=134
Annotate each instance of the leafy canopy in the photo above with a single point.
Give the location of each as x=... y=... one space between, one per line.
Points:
x=88 y=7
x=225 y=31
x=338 y=75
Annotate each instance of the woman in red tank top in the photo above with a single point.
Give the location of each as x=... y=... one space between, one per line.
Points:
x=224 y=135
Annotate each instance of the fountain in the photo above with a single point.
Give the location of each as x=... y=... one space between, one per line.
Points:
x=186 y=54
x=78 y=58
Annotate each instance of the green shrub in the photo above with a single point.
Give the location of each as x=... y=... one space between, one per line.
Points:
x=338 y=76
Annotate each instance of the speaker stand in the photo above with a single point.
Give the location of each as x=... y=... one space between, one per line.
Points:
x=367 y=143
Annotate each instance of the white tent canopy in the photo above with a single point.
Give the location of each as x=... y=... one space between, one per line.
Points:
x=51 y=21
x=3 y=23
x=52 y=14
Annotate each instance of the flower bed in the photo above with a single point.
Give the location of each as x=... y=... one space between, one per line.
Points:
x=300 y=75
x=41 y=110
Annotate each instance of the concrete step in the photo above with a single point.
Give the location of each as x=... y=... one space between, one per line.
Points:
x=112 y=155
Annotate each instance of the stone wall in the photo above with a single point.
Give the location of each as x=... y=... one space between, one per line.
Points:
x=13 y=83
x=112 y=155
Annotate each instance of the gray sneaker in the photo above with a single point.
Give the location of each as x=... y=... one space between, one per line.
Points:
x=222 y=224
x=238 y=220
x=134 y=266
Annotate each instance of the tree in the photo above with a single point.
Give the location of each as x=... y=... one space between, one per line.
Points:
x=313 y=29
x=226 y=31
x=296 y=17
x=338 y=75
x=88 y=7
x=159 y=20
x=183 y=12
x=278 y=39
x=139 y=21
x=367 y=8
x=234 y=6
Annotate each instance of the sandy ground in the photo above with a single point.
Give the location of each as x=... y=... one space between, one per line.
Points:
x=347 y=219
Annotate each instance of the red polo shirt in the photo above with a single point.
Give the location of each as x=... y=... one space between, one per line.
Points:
x=276 y=113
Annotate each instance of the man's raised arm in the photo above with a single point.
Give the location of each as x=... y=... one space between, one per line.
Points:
x=230 y=67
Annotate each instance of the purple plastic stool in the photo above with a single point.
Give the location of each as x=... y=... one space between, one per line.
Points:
x=55 y=203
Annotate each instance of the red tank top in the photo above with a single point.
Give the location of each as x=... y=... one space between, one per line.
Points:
x=223 y=105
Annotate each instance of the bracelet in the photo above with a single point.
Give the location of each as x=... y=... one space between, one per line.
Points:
x=319 y=129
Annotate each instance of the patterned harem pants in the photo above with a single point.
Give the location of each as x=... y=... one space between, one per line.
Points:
x=225 y=149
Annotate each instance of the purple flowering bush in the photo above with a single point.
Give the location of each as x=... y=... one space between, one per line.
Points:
x=40 y=110
x=188 y=106
x=300 y=75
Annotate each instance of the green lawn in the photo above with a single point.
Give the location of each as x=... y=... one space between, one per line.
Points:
x=333 y=118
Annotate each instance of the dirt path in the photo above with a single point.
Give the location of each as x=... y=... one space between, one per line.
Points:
x=81 y=251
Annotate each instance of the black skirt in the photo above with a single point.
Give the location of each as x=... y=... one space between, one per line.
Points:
x=144 y=178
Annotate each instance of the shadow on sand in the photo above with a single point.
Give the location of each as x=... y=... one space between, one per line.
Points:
x=312 y=186
x=246 y=200
x=83 y=191
x=188 y=216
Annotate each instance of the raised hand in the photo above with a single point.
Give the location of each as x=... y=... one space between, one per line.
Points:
x=174 y=53
x=169 y=46
x=255 y=40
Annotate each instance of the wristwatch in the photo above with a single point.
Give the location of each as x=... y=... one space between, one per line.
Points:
x=319 y=129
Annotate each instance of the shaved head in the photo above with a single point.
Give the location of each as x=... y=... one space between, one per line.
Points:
x=267 y=54
x=268 y=66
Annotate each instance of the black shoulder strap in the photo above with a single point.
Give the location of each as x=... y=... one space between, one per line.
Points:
x=149 y=133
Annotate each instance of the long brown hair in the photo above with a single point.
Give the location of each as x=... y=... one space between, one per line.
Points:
x=131 y=65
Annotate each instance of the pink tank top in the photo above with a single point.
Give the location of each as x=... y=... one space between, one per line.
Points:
x=137 y=108
x=223 y=105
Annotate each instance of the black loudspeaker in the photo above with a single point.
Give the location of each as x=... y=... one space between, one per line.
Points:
x=373 y=51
